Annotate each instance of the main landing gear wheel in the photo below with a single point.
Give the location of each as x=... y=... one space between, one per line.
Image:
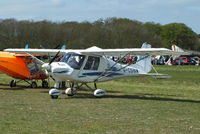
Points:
x=33 y=84
x=13 y=83
x=70 y=91
x=45 y=84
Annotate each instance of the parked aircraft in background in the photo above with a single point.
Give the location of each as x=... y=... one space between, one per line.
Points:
x=91 y=65
x=193 y=59
x=22 y=67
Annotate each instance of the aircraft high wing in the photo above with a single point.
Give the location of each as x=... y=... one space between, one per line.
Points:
x=100 y=52
x=132 y=51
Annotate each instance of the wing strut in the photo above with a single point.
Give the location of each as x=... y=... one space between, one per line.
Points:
x=114 y=64
x=103 y=74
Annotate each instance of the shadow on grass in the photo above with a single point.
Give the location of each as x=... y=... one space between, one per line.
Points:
x=139 y=97
x=18 y=87
x=7 y=87
x=142 y=94
x=151 y=98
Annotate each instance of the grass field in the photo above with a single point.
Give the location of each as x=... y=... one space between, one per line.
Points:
x=132 y=105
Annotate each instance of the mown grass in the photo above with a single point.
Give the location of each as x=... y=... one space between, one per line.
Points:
x=131 y=105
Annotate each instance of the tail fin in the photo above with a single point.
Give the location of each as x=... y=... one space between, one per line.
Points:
x=63 y=47
x=176 y=48
x=144 y=62
x=26 y=47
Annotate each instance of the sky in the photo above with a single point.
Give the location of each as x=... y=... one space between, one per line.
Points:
x=157 y=11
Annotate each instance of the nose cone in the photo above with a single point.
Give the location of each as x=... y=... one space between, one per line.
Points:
x=46 y=66
x=61 y=68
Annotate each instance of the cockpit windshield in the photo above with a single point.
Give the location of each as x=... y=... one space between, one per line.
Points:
x=73 y=60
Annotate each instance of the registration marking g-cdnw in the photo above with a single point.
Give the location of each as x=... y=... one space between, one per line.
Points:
x=130 y=70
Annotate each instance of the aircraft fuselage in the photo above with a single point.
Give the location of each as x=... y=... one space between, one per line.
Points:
x=90 y=69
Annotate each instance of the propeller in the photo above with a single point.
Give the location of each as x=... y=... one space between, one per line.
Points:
x=49 y=57
x=49 y=66
x=54 y=58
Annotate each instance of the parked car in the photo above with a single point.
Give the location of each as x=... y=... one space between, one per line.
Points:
x=183 y=61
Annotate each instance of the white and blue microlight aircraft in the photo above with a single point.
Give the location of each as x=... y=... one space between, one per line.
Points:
x=91 y=65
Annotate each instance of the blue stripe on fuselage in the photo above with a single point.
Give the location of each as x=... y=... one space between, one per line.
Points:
x=98 y=74
x=66 y=71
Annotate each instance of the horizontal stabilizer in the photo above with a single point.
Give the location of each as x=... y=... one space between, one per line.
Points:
x=159 y=76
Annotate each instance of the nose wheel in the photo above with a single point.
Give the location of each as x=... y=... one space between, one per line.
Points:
x=54 y=93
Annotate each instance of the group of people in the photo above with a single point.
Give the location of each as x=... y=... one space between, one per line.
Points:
x=129 y=60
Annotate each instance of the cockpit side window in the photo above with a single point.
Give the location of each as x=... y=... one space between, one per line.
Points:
x=92 y=63
x=32 y=66
x=73 y=60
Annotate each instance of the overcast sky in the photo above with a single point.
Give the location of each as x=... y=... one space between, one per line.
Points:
x=157 y=11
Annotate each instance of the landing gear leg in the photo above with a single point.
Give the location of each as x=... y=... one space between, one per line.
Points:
x=45 y=84
x=95 y=85
x=96 y=92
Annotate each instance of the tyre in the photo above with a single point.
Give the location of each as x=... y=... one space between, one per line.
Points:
x=70 y=95
x=33 y=84
x=54 y=96
x=13 y=83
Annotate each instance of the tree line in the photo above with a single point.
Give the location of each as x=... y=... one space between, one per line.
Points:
x=107 y=33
